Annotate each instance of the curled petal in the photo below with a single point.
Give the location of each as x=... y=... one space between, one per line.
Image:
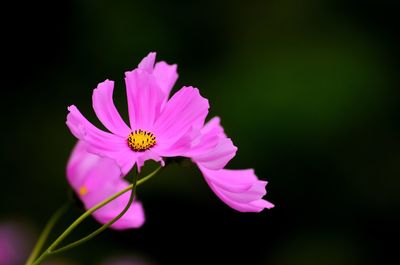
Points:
x=253 y=193
x=147 y=62
x=206 y=139
x=262 y=204
x=217 y=157
x=213 y=127
x=239 y=189
x=212 y=149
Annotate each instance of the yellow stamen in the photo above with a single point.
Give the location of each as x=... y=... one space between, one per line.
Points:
x=83 y=191
x=140 y=141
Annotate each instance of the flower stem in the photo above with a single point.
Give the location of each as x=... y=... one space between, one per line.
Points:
x=45 y=233
x=102 y=228
x=50 y=250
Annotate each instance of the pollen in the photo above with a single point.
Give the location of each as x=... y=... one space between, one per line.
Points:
x=140 y=141
x=83 y=191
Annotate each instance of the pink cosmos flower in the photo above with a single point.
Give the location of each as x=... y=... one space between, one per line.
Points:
x=162 y=128
x=94 y=179
x=158 y=127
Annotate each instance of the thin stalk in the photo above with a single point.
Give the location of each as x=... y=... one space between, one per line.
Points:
x=102 y=228
x=45 y=233
x=50 y=249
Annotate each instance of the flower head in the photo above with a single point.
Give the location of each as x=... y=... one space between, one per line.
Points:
x=165 y=127
x=159 y=127
x=94 y=179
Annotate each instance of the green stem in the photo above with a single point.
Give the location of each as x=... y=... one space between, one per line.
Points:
x=102 y=228
x=50 y=249
x=45 y=233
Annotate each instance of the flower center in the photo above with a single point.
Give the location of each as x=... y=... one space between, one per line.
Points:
x=140 y=141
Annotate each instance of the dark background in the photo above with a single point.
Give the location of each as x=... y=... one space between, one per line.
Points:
x=308 y=91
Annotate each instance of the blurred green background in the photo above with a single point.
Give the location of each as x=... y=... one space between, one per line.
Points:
x=308 y=90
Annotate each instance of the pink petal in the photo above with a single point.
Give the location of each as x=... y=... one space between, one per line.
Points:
x=83 y=164
x=105 y=109
x=99 y=142
x=133 y=218
x=125 y=159
x=242 y=207
x=166 y=76
x=212 y=149
x=230 y=187
x=203 y=143
x=213 y=126
x=94 y=179
x=144 y=99
x=255 y=192
x=263 y=204
x=147 y=62
x=180 y=147
x=238 y=181
x=187 y=108
x=219 y=156
x=81 y=128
